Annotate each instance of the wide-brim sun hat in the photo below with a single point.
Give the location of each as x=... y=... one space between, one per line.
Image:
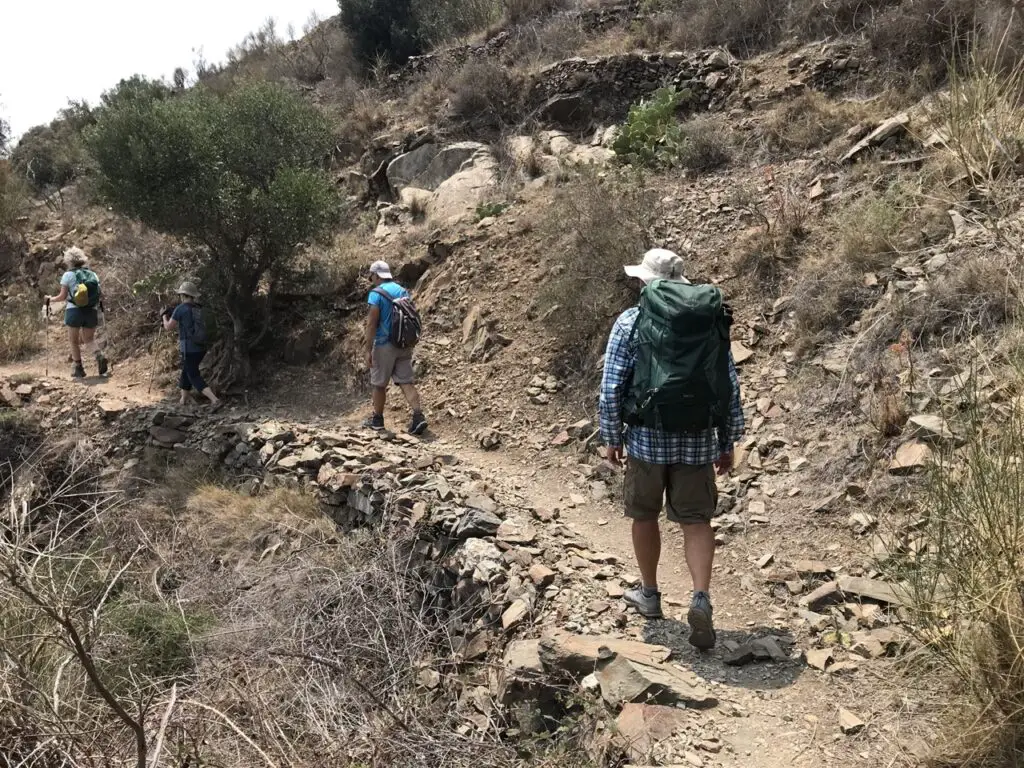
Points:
x=189 y=289
x=658 y=263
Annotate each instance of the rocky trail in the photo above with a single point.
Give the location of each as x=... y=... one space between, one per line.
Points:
x=807 y=671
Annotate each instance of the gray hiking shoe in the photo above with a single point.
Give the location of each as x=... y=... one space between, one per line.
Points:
x=78 y=372
x=101 y=363
x=648 y=606
x=702 y=628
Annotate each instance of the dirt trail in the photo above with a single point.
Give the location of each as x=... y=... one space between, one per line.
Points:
x=782 y=715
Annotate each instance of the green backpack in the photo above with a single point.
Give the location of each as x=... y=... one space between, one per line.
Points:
x=681 y=379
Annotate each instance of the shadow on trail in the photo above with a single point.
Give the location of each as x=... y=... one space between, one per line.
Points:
x=754 y=675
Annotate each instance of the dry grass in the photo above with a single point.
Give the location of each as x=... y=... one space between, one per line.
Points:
x=774 y=245
x=964 y=585
x=598 y=225
x=484 y=95
x=21 y=329
x=807 y=122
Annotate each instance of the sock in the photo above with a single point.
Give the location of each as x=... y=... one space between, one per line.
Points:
x=649 y=591
x=697 y=594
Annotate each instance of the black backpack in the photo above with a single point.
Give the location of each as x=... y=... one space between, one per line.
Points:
x=681 y=379
x=405 y=320
x=197 y=332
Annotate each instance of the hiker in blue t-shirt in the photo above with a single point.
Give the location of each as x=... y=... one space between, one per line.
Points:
x=81 y=314
x=386 y=361
x=187 y=318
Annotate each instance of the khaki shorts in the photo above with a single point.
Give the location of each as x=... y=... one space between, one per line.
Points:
x=690 y=493
x=391 y=363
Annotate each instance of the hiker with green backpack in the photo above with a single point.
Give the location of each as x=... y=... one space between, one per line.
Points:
x=80 y=288
x=670 y=397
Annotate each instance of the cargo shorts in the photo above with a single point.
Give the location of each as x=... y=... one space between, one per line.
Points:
x=688 y=493
x=391 y=363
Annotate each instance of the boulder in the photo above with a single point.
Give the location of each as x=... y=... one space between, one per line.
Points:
x=476 y=523
x=460 y=194
x=566 y=111
x=930 y=428
x=167 y=436
x=641 y=726
x=404 y=169
x=577 y=655
x=623 y=680
x=911 y=457
x=430 y=166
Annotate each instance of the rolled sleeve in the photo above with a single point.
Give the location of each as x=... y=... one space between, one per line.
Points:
x=618 y=370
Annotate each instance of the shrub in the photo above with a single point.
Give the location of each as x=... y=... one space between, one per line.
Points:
x=774 y=243
x=382 y=29
x=441 y=21
x=13 y=202
x=963 y=581
x=485 y=95
x=806 y=122
x=20 y=330
x=49 y=156
x=521 y=11
x=155 y=642
x=745 y=26
x=653 y=137
x=599 y=225
x=241 y=176
x=868 y=228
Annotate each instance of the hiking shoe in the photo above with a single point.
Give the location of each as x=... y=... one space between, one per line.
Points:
x=418 y=425
x=101 y=363
x=375 y=422
x=78 y=372
x=648 y=606
x=702 y=629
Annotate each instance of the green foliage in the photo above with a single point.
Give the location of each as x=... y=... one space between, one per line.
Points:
x=49 y=156
x=489 y=210
x=382 y=29
x=5 y=137
x=13 y=201
x=240 y=174
x=135 y=89
x=653 y=136
x=158 y=640
x=651 y=131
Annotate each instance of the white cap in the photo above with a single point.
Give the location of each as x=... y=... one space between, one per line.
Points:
x=658 y=263
x=381 y=270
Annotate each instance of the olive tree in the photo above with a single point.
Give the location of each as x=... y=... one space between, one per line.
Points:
x=241 y=176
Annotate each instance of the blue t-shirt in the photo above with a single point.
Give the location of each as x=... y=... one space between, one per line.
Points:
x=191 y=330
x=394 y=290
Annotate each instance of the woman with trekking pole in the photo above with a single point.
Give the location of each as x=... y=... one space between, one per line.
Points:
x=187 y=319
x=80 y=288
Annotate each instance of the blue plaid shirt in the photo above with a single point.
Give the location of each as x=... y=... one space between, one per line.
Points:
x=645 y=443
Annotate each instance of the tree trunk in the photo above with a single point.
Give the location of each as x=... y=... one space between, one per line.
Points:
x=231 y=366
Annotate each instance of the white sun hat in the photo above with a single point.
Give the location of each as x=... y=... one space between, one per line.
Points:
x=658 y=263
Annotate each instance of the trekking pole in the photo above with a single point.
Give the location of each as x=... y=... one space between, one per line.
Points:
x=46 y=336
x=152 y=367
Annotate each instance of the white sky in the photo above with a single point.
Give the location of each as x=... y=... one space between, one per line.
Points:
x=54 y=51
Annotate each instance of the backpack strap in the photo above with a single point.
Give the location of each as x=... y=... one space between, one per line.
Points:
x=385 y=294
